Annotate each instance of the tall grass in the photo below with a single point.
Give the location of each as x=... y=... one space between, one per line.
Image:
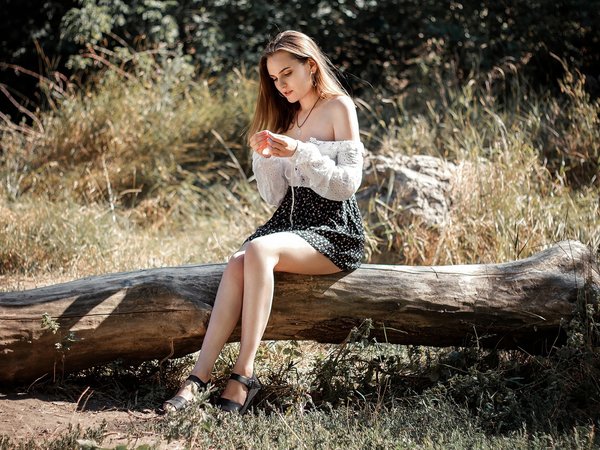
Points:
x=519 y=187
x=154 y=148
x=132 y=170
x=63 y=239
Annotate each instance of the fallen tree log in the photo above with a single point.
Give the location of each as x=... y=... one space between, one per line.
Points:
x=160 y=313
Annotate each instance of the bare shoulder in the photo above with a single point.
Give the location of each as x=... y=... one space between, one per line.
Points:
x=343 y=113
x=340 y=104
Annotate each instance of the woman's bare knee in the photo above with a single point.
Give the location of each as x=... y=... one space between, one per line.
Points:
x=235 y=266
x=261 y=249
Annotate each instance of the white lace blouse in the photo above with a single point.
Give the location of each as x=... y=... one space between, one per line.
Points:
x=333 y=169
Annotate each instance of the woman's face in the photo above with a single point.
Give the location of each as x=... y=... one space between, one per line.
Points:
x=291 y=77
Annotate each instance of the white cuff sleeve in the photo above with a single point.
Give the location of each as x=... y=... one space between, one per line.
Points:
x=271 y=182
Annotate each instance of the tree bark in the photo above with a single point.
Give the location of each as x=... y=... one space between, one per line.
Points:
x=164 y=312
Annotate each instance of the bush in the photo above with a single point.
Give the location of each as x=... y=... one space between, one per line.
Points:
x=362 y=37
x=129 y=134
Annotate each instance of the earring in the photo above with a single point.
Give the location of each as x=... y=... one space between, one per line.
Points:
x=313 y=78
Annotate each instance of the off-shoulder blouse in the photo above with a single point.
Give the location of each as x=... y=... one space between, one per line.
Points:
x=333 y=169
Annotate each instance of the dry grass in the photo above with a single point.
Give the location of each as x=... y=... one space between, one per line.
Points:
x=125 y=165
x=509 y=199
x=64 y=240
x=129 y=172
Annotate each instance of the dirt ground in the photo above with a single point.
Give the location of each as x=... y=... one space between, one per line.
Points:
x=43 y=417
x=46 y=416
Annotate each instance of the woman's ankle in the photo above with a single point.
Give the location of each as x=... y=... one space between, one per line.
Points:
x=244 y=370
x=205 y=378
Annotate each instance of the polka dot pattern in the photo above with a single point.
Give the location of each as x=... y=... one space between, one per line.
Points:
x=333 y=228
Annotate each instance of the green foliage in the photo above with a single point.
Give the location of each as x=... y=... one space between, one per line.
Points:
x=344 y=374
x=361 y=36
x=65 y=340
x=89 y=23
x=49 y=323
x=374 y=43
x=145 y=23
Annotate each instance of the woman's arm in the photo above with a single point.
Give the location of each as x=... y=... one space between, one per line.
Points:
x=330 y=180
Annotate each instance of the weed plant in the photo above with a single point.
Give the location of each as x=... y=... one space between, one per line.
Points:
x=73 y=437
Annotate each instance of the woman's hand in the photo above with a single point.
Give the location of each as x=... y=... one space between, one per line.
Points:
x=259 y=143
x=268 y=144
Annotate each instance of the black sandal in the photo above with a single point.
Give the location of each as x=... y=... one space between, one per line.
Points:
x=253 y=386
x=178 y=402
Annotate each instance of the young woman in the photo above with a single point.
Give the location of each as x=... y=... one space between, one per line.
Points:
x=307 y=160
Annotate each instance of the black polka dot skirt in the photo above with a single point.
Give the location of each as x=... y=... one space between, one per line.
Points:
x=333 y=228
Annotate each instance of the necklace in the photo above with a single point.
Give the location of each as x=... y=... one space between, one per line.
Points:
x=299 y=132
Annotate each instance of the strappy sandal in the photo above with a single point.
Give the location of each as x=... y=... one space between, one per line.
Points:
x=179 y=402
x=253 y=386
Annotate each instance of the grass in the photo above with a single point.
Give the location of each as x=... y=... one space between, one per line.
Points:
x=148 y=168
x=66 y=239
x=509 y=198
x=400 y=427
x=378 y=396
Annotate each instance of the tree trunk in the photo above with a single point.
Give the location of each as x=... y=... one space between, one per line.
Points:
x=164 y=312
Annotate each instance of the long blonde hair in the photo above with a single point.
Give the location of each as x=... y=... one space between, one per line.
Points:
x=273 y=112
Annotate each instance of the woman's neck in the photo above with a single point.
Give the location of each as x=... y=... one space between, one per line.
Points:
x=308 y=101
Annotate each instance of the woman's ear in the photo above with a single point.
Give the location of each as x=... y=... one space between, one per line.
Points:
x=312 y=65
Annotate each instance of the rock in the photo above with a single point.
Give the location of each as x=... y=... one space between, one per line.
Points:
x=412 y=186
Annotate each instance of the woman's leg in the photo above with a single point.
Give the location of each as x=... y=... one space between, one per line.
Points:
x=224 y=316
x=281 y=252
x=223 y=319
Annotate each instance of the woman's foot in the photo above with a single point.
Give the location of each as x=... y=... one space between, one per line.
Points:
x=190 y=389
x=235 y=391
x=239 y=393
